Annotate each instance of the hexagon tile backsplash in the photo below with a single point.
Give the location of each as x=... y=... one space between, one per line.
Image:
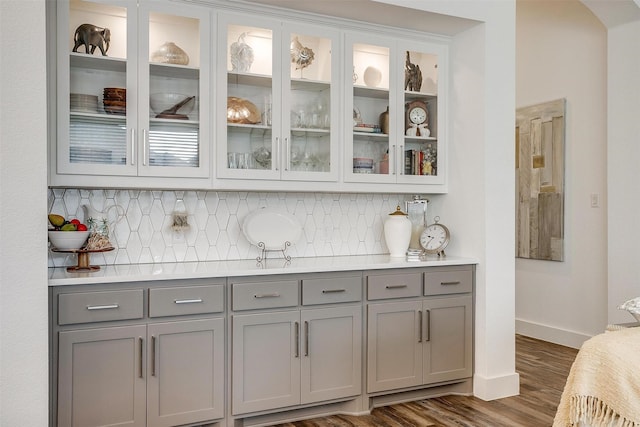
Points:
x=333 y=224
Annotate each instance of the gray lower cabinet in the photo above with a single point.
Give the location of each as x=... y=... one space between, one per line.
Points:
x=414 y=340
x=165 y=369
x=101 y=381
x=185 y=372
x=296 y=356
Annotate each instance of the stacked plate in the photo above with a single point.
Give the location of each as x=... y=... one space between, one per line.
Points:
x=83 y=103
x=362 y=165
x=115 y=100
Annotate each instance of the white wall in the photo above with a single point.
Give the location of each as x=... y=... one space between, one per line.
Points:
x=623 y=160
x=23 y=208
x=562 y=53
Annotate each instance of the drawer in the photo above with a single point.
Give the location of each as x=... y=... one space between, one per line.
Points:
x=399 y=285
x=331 y=290
x=87 y=307
x=448 y=281
x=259 y=295
x=186 y=300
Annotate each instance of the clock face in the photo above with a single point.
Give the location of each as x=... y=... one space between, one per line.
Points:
x=434 y=238
x=418 y=115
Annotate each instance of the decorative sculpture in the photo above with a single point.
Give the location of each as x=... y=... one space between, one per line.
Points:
x=412 y=75
x=92 y=37
x=241 y=55
x=300 y=55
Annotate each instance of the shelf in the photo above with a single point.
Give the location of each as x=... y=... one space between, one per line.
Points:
x=370 y=92
x=249 y=79
x=174 y=71
x=420 y=138
x=411 y=95
x=100 y=116
x=186 y=123
x=311 y=85
x=103 y=63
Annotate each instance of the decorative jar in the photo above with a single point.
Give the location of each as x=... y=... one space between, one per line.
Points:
x=397 y=233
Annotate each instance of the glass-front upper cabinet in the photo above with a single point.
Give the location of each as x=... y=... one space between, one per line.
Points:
x=132 y=89
x=397 y=134
x=279 y=119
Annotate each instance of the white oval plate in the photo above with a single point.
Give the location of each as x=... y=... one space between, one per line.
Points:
x=271 y=227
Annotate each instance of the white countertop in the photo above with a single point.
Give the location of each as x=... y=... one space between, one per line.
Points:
x=198 y=270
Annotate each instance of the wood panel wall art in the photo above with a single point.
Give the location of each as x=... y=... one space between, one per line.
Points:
x=540 y=136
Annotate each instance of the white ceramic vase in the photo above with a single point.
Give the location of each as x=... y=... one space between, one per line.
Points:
x=397 y=233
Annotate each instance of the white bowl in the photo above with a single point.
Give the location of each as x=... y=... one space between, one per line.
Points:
x=160 y=102
x=67 y=240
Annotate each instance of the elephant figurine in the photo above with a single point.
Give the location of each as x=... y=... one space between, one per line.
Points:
x=92 y=37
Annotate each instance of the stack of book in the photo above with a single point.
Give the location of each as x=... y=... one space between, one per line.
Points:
x=419 y=162
x=363 y=127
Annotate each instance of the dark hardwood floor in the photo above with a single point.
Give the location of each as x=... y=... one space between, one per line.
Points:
x=543 y=369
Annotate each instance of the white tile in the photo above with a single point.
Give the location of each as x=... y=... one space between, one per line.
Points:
x=134 y=214
x=145 y=231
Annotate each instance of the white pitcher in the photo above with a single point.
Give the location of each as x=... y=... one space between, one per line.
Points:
x=103 y=221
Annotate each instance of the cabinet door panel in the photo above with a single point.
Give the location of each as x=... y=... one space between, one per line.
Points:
x=185 y=372
x=331 y=353
x=448 y=341
x=394 y=347
x=266 y=356
x=100 y=377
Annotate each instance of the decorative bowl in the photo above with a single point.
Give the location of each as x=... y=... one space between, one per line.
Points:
x=242 y=111
x=160 y=102
x=633 y=307
x=68 y=240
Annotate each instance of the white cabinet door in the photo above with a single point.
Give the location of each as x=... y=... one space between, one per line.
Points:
x=101 y=379
x=278 y=115
x=185 y=372
x=331 y=353
x=95 y=138
x=174 y=140
x=447 y=338
x=266 y=361
x=394 y=345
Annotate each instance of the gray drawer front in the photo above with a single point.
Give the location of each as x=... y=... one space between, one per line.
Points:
x=400 y=285
x=87 y=307
x=259 y=295
x=448 y=282
x=331 y=290
x=186 y=300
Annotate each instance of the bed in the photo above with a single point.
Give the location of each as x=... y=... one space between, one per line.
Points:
x=603 y=386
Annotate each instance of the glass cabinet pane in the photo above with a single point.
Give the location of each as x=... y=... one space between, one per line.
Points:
x=371 y=104
x=421 y=113
x=97 y=100
x=249 y=98
x=174 y=91
x=309 y=142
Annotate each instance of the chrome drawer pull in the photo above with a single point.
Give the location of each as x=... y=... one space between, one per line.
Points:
x=333 y=291
x=395 y=286
x=450 y=283
x=428 y=325
x=102 y=307
x=273 y=295
x=188 y=301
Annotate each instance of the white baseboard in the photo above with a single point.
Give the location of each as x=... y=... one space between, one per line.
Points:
x=551 y=334
x=496 y=387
